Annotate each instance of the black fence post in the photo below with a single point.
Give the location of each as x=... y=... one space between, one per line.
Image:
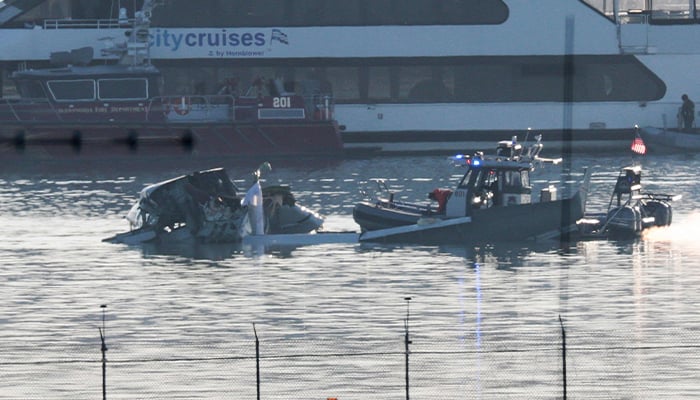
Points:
x=407 y=341
x=103 y=349
x=567 y=138
x=563 y=355
x=257 y=362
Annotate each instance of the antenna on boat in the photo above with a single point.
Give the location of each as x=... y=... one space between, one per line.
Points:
x=136 y=50
x=527 y=134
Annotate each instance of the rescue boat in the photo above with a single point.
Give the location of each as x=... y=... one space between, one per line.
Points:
x=492 y=202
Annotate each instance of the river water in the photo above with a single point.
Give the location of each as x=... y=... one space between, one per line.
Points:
x=331 y=316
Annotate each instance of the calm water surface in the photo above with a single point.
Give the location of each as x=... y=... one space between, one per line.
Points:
x=56 y=272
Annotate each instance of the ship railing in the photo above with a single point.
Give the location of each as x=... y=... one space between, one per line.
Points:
x=320 y=107
x=667 y=15
x=87 y=23
x=634 y=17
x=192 y=108
x=226 y=108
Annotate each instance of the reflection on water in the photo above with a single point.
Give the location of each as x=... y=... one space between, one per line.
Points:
x=56 y=271
x=509 y=255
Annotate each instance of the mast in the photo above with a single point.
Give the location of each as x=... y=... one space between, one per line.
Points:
x=136 y=50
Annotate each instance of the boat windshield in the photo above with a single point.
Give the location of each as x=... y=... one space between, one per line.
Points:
x=30 y=89
x=489 y=179
x=479 y=178
x=516 y=179
x=468 y=177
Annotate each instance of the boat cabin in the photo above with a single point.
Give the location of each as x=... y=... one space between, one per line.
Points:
x=489 y=183
x=76 y=84
x=74 y=93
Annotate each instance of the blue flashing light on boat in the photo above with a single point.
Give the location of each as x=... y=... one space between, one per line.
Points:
x=460 y=159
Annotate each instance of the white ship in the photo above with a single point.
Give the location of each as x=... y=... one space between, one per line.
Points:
x=410 y=75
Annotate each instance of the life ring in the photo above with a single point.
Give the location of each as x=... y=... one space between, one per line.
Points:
x=184 y=106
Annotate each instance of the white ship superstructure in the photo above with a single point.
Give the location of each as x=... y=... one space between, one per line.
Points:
x=406 y=76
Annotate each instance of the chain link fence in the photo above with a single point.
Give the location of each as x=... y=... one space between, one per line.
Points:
x=478 y=365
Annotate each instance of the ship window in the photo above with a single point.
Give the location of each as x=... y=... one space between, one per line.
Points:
x=31 y=90
x=426 y=84
x=541 y=78
x=516 y=180
x=479 y=81
x=511 y=179
x=465 y=179
x=79 y=89
x=123 y=89
x=431 y=12
x=525 y=178
x=343 y=82
x=408 y=80
x=379 y=83
x=307 y=81
x=293 y=13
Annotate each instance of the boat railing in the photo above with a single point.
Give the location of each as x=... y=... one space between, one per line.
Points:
x=650 y=12
x=323 y=105
x=189 y=108
x=634 y=17
x=661 y=196
x=658 y=16
x=175 y=109
x=377 y=191
x=87 y=23
x=228 y=108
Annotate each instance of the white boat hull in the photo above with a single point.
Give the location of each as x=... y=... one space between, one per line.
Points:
x=660 y=139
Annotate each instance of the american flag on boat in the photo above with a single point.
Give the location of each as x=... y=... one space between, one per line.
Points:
x=638 y=145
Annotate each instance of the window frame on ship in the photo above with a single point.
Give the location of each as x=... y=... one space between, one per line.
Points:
x=409 y=80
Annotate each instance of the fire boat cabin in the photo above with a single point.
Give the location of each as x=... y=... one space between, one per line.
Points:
x=87 y=94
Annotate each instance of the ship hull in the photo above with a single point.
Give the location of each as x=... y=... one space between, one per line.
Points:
x=267 y=139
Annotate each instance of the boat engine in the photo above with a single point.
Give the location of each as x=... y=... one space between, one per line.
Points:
x=660 y=210
x=624 y=220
